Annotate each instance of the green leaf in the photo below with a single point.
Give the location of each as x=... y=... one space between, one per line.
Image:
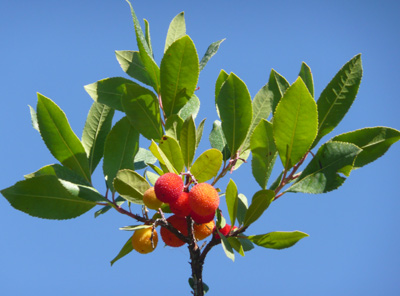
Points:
x=306 y=75
x=74 y=183
x=152 y=177
x=173 y=126
x=45 y=197
x=322 y=173
x=135 y=227
x=142 y=108
x=179 y=74
x=131 y=186
x=242 y=207
x=146 y=54
x=126 y=249
x=246 y=244
x=118 y=201
x=277 y=86
x=143 y=158
x=34 y=118
x=295 y=124
x=210 y=52
x=109 y=91
x=191 y=108
x=162 y=158
x=338 y=96
x=231 y=196
x=235 y=108
x=121 y=146
x=131 y=63
x=199 y=132
x=226 y=246
x=97 y=126
x=147 y=36
x=172 y=151
x=374 y=142
x=188 y=141
x=277 y=240
x=218 y=84
x=59 y=137
x=260 y=202
x=207 y=165
x=264 y=152
x=176 y=30
x=235 y=244
x=218 y=141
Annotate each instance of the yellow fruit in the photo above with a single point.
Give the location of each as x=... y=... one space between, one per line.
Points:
x=150 y=199
x=142 y=241
x=201 y=231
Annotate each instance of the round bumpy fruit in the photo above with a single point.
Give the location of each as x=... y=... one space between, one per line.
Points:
x=150 y=199
x=169 y=238
x=201 y=231
x=142 y=240
x=203 y=199
x=181 y=207
x=168 y=187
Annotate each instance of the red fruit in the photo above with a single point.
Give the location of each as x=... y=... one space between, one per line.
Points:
x=203 y=199
x=168 y=187
x=180 y=207
x=225 y=230
x=201 y=219
x=169 y=238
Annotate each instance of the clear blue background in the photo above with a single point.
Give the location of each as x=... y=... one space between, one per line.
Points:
x=56 y=47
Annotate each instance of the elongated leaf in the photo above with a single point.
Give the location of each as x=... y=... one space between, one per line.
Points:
x=109 y=91
x=131 y=186
x=146 y=54
x=59 y=137
x=135 y=227
x=172 y=151
x=338 y=96
x=147 y=36
x=322 y=173
x=260 y=202
x=242 y=207
x=151 y=177
x=35 y=124
x=143 y=111
x=179 y=74
x=176 y=30
x=143 y=158
x=191 y=108
x=218 y=141
x=235 y=244
x=126 y=249
x=374 y=142
x=264 y=152
x=131 y=63
x=207 y=165
x=210 y=52
x=277 y=240
x=235 y=108
x=121 y=146
x=162 y=158
x=231 y=196
x=173 y=126
x=97 y=126
x=118 y=201
x=45 y=197
x=306 y=75
x=188 y=141
x=295 y=124
x=218 y=84
x=199 y=132
x=226 y=246
x=277 y=86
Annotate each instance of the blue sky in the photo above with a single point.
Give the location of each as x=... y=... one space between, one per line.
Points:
x=57 y=47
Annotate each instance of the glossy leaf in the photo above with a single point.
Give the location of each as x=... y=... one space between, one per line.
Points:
x=179 y=74
x=147 y=36
x=306 y=75
x=235 y=108
x=34 y=121
x=260 y=202
x=295 y=124
x=218 y=141
x=172 y=151
x=143 y=111
x=210 y=52
x=277 y=240
x=131 y=186
x=59 y=137
x=173 y=126
x=188 y=141
x=135 y=227
x=162 y=158
x=207 y=165
x=109 y=91
x=191 y=108
x=97 y=126
x=226 y=246
x=121 y=146
x=236 y=245
x=322 y=174
x=231 y=197
x=199 y=132
x=374 y=142
x=264 y=152
x=126 y=249
x=338 y=96
x=45 y=197
x=143 y=158
x=218 y=84
x=242 y=207
x=131 y=63
x=277 y=86
x=151 y=177
x=176 y=30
